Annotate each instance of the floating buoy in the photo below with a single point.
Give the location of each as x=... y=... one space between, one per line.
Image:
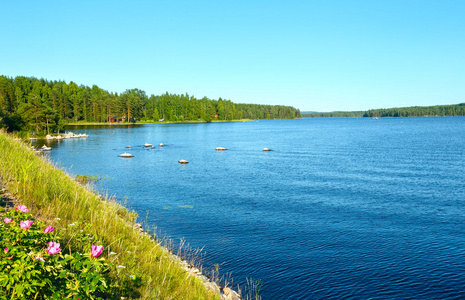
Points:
x=220 y=149
x=266 y=149
x=183 y=161
x=126 y=155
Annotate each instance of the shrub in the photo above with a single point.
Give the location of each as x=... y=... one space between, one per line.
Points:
x=33 y=265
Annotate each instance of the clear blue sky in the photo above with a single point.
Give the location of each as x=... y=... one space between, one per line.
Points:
x=314 y=55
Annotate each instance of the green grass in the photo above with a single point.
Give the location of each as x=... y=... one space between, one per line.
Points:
x=58 y=200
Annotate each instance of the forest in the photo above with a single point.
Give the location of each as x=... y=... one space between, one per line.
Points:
x=40 y=106
x=335 y=114
x=414 y=111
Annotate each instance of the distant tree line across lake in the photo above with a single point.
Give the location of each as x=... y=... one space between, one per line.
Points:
x=414 y=111
x=43 y=106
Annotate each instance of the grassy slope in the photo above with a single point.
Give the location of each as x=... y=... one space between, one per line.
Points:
x=51 y=194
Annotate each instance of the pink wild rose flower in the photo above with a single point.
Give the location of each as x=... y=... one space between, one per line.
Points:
x=6 y=249
x=96 y=250
x=49 y=229
x=23 y=208
x=7 y=220
x=53 y=248
x=25 y=224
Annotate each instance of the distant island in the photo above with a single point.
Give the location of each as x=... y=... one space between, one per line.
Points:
x=413 y=111
x=28 y=104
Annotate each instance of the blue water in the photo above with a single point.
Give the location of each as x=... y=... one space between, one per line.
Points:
x=342 y=208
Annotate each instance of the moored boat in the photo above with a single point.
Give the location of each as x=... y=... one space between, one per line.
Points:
x=126 y=155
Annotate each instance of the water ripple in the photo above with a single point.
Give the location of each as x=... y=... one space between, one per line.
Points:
x=340 y=209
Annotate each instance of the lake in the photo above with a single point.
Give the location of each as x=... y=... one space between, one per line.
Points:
x=340 y=208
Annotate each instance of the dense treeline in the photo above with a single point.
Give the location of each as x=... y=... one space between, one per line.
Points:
x=414 y=111
x=335 y=114
x=419 y=111
x=42 y=106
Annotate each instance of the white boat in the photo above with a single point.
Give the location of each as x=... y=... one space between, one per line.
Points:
x=220 y=149
x=183 y=161
x=126 y=155
x=45 y=148
x=148 y=145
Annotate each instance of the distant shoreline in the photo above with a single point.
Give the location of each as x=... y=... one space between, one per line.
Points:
x=144 y=122
x=384 y=117
x=454 y=110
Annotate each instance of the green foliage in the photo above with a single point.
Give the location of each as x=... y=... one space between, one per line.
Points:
x=29 y=270
x=414 y=111
x=42 y=106
x=12 y=122
x=253 y=111
x=335 y=114
x=419 y=111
